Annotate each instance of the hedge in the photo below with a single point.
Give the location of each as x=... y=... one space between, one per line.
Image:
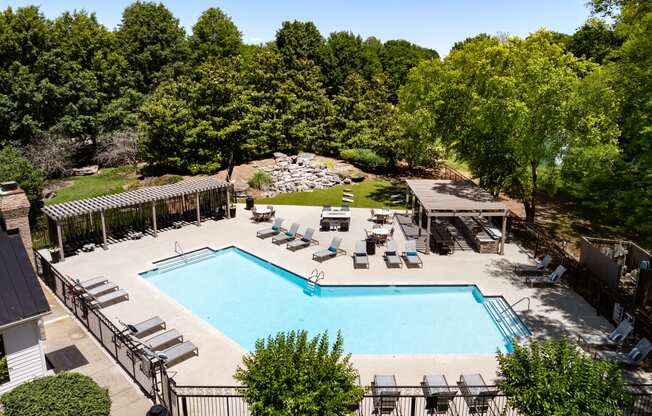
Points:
x=65 y=394
x=365 y=158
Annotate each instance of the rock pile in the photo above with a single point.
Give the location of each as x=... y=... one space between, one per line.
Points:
x=301 y=173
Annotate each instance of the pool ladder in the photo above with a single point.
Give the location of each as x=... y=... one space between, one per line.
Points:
x=311 y=284
x=179 y=250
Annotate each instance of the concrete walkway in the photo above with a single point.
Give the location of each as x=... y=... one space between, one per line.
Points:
x=64 y=331
x=552 y=311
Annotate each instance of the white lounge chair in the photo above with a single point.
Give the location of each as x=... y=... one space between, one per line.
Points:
x=165 y=339
x=550 y=278
x=391 y=255
x=360 y=258
x=274 y=230
x=110 y=298
x=304 y=241
x=385 y=394
x=289 y=235
x=101 y=289
x=146 y=327
x=616 y=337
x=538 y=268
x=634 y=357
x=439 y=395
x=410 y=254
x=332 y=251
x=178 y=353
x=87 y=284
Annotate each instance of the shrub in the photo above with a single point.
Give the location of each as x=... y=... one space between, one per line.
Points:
x=260 y=179
x=364 y=158
x=53 y=155
x=4 y=370
x=66 y=394
x=118 y=148
x=14 y=167
x=556 y=378
x=291 y=375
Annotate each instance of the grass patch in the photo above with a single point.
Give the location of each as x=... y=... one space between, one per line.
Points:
x=371 y=193
x=107 y=181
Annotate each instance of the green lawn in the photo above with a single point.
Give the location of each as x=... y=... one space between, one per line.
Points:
x=371 y=193
x=108 y=181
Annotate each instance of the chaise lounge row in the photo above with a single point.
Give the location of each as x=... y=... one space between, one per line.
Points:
x=391 y=256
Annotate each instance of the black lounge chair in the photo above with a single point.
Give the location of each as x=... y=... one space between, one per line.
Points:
x=385 y=395
x=439 y=395
x=477 y=394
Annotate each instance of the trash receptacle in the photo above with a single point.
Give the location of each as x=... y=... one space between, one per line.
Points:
x=371 y=247
x=249 y=202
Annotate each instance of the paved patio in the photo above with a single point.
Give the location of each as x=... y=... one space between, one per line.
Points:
x=553 y=311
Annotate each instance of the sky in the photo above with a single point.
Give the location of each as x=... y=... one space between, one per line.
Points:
x=436 y=24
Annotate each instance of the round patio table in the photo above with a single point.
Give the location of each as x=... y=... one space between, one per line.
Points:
x=380 y=232
x=263 y=211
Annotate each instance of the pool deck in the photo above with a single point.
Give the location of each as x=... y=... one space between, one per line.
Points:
x=553 y=310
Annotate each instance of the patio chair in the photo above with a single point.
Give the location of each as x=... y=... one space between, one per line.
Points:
x=90 y=283
x=304 y=241
x=385 y=394
x=289 y=235
x=633 y=358
x=109 y=298
x=477 y=395
x=439 y=395
x=272 y=211
x=538 y=268
x=550 y=278
x=164 y=340
x=391 y=256
x=101 y=289
x=146 y=327
x=410 y=254
x=178 y=353
x=332 y=251
x=616 y=337
x=360 y=258
x=274 y=230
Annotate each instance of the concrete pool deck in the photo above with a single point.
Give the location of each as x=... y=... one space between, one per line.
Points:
x=553 y=310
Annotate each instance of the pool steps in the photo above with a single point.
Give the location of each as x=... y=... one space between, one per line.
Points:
x=506 y=319
x=176 y=262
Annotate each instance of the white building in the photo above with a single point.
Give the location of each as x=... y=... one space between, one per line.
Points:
x=22 y=305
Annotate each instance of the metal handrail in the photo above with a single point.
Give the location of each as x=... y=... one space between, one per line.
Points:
x=511 y=307
x=179 y=250
x=316 y=275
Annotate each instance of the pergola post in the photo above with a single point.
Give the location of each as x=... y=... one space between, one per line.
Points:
x=503 y=232
x=419 y=223
x=154 y=227
x=413 y=202
x=228 y=200
x=428 y=233
x=198 y=210
x=62 y=255
x=105 y=246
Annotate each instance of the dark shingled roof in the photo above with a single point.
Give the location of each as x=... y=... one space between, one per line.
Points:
x=21 y=296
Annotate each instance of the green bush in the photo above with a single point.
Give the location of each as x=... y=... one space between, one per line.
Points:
x=260 y=179
x=556 y=378
x=290 y=375
x=365 y=158
x=14 y=167
x=66 y=394
x=4 y=370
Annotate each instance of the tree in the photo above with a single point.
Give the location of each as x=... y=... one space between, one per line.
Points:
x=297 y=41
x=595 y=40
x=289 y=374
x=398 y=57
x=215 y=35
x=555 y=378
x=348 y=54
x=14 y=167
x=153 y=43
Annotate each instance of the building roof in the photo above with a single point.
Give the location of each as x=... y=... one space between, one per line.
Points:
x=130 y=198
x=21 y=296
x=442 y=195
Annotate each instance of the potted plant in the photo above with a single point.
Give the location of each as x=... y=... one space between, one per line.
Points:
x=55 y=254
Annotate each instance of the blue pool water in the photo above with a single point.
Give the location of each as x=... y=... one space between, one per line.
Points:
x=247 y=298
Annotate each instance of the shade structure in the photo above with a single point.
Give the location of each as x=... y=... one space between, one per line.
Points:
x=111 y=218
x=454 y=198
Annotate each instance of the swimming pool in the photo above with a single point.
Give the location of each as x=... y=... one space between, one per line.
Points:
x=247 y=298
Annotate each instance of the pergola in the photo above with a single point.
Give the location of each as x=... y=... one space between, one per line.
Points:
x=147 y=209
x=449 y=198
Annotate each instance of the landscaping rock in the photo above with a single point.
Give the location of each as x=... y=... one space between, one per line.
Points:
x=300 y=173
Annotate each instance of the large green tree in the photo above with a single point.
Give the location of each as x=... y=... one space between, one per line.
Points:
x=215 y=36
x=348 y=54
x=398 y=57
x=300 y=40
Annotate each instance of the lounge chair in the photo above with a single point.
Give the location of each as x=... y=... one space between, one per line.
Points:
x=391 y=255
x=289 y=235
x=410 y=254
x=634 y=357
x=438 y=393
x=90 y=283
x=178 y=353
x=101 y=289
x=550 y=278
x=332 y=251
x=477 y=394
x=617 y=336
x=164 y=340
x=304 y=241
x=274 y=230
x=360 y=258
x=538 y=268
x=109 y=298
x=385 y=394
x=146 y=327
